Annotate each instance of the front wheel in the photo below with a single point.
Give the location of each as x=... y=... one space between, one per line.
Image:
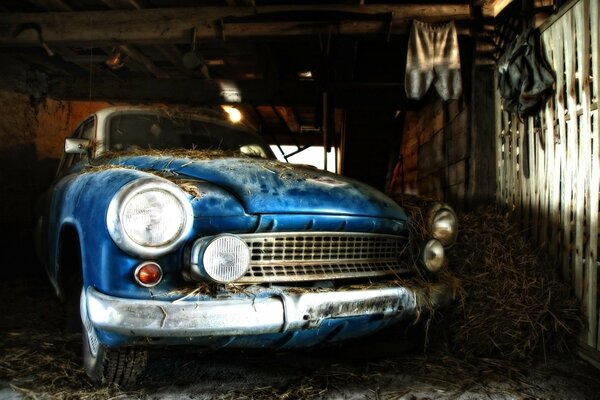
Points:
x=105 y=365
x=113 y=366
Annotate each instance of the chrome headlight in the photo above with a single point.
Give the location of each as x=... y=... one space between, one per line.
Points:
x=444 y=224
x=149 y=217
x=222 y=259
x=433 y=256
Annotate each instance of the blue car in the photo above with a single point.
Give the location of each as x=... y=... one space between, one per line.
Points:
x=173 y=228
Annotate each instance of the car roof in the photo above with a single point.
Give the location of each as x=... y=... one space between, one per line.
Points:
x=200 y=113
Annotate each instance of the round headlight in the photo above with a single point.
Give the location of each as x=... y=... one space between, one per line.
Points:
x=149 y=217
x=433 y=256
x=153 y=217
x=221 y=259
x=444 y=225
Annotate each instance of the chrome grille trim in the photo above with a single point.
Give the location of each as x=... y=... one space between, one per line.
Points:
x=306 y=256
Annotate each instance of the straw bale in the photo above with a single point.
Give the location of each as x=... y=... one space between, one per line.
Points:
x=513 y=304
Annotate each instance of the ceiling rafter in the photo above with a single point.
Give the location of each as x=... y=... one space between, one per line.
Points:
x=55 y=5
x=140 y=58
x=124 y=4
x=218 y=91
x=169 y=51
x=133 y=53
x=288 y=116
x=174 y=25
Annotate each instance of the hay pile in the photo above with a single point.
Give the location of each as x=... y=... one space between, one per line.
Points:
x=417 y=208
x=513 y=304
x=194 y=154
x=38 y=359
x=46 y=366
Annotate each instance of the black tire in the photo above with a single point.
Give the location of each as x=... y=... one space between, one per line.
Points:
x=71 y=280
x=120 y=367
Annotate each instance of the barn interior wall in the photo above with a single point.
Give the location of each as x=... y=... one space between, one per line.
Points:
x=31 y=137
x=434 y=153
x=447 y=148
x=549 y=164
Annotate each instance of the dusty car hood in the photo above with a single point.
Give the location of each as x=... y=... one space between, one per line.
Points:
x=271 y=187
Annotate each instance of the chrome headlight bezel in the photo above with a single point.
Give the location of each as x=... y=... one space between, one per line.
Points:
x=116 y=208
x=441 y=230
x=433 y=256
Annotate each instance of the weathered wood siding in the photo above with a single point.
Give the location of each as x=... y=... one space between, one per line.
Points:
x=434 y=154
x=548 y=172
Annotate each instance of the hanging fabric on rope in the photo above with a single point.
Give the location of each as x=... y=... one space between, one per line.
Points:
x=525 y=79
x=433 y=56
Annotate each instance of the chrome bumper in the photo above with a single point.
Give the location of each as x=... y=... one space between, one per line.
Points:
x=281 y=312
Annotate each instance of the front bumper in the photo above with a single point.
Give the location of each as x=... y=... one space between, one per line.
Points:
x=273 y=310
x=276 y=311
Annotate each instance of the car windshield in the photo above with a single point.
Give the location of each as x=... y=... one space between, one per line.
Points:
x=131 y=131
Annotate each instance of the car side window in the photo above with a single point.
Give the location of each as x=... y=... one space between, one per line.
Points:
x=85 y=130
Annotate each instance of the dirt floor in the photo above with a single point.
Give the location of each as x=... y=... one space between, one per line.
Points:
x=38 y=360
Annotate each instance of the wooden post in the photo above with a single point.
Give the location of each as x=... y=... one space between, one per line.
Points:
x=325 y=129
x=595 y=176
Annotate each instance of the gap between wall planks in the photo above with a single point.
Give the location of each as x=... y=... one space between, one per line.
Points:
x=549 y=170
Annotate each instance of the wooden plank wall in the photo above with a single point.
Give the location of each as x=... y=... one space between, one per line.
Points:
x=434 y=153
x=548 y=168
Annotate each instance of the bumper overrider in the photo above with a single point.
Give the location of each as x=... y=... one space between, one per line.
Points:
x=278 y=312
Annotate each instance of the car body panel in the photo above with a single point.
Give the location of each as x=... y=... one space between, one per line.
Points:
x=232 y=195
x=269 y=186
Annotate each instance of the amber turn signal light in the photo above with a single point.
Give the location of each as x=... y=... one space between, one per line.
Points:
x=148 y=274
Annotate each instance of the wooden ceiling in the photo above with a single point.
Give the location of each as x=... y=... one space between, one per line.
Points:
x=274 y=59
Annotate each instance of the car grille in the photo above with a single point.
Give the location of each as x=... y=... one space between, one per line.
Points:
x=306 y=256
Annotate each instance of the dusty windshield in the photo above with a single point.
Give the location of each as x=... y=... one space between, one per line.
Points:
x=133 y=131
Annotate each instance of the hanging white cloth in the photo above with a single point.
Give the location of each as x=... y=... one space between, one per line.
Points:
x=433 y=56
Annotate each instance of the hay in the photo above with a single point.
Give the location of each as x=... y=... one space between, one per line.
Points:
x=417 y=208
x=513 y=304
x=45 y=366
x=454 y=377
x=192 y=154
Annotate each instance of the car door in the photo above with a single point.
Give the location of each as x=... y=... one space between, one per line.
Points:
x=85 y=130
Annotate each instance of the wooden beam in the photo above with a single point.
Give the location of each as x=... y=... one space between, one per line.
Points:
x=168 y=50
x=55 y=5
x=214 y=91
x=140 y=58
x=289 y=117
x=174 y=25
x=492 y=8
x=86 y=62
x=192 y=91
x=123 y=4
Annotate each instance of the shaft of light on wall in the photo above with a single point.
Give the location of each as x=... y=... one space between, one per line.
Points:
x=235 y=115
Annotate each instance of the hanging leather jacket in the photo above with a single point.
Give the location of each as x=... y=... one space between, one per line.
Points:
x=525 y=80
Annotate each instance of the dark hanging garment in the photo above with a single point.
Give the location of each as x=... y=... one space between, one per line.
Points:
x=525 y=79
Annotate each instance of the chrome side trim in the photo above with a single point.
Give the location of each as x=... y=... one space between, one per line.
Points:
x=281 y=311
